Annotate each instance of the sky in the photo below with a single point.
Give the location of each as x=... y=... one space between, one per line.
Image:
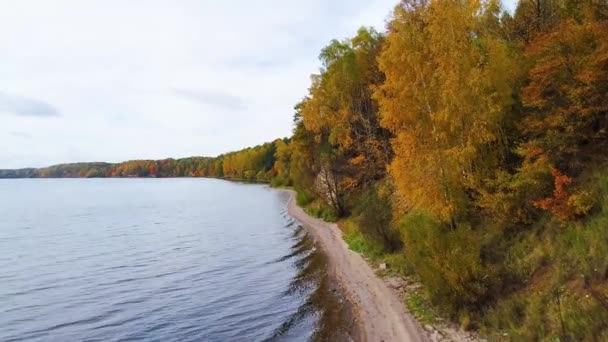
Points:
x=114 y=80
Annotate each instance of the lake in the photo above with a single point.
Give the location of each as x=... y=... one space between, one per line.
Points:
x=184 y=259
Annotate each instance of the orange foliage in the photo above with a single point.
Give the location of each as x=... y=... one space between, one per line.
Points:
x=559 y=204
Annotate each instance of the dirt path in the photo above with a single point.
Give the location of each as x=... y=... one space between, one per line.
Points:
x=380 y=312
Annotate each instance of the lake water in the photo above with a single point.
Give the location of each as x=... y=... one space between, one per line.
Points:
x=155 y=260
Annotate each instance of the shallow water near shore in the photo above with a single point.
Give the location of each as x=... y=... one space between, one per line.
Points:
x=160 y=260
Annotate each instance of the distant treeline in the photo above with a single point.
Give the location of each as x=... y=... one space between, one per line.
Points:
x=250 y=164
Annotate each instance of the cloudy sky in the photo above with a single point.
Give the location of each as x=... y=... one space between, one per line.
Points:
x=112 y=80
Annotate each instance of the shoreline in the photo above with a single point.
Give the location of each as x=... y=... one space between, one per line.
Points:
x=380 y=315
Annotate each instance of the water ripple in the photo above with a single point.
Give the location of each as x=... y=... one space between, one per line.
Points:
x=154 y=260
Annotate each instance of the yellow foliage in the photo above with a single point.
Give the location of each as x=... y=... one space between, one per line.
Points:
x=448 y=86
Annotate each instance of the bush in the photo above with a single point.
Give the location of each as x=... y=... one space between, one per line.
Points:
x=357 y=242
x=303 y=198
x=278 y=181
x=321 y=210
x=329 y=215
x=581 y=247
x=375 y=218
x=447 y=262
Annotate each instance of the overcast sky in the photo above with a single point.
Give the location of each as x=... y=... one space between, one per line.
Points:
x=113 y=80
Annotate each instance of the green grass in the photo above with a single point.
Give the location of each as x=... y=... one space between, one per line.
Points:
x=303 y=198
x=398 y=264
x=357 y=242
x=420 y=307
x=321 y=210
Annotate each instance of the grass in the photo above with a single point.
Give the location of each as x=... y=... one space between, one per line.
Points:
x=321 y=210
x=560 y=269
x=420 y=307
x=416 y=302
x=357 y=242
x=303 y=199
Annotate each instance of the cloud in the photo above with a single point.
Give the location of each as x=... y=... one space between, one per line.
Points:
x=23 y=106
x=165 y=79
x=211 y=98
x=20 y=134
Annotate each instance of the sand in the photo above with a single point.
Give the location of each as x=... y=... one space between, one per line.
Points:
x=380 y=313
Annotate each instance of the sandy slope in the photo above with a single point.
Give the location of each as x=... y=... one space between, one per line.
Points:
x=381 y=313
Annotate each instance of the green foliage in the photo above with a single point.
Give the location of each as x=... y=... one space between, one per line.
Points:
x=359 y=243
x=397 y=261
x=280 y=182
x=550 y=312
x=250 y=164
x=322 y=210
x=448 y=261
x=303 y=198
x=584 y=318
x=583 y=245
x=420 y=307
x=374 y=215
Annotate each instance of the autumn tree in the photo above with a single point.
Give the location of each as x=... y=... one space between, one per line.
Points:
x=567 y=94
x=343 y=116
x=304 y=163
x=447 y=92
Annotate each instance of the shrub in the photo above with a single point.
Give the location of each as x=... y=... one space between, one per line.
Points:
x=321 y=210
x=329 y=215
x=358 y=242
x=278 y=181
x=582 y=246
x=303 y=198
x=375 y=218
x=447 y=261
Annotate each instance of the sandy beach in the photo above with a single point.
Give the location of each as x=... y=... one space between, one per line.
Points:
x=380 y=313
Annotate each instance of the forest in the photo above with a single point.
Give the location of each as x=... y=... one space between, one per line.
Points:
x=466 y=146
x=256 y=164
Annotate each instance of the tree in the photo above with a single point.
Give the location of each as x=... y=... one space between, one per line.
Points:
x=447 y=91
x=567 y=95
x=343 y=117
